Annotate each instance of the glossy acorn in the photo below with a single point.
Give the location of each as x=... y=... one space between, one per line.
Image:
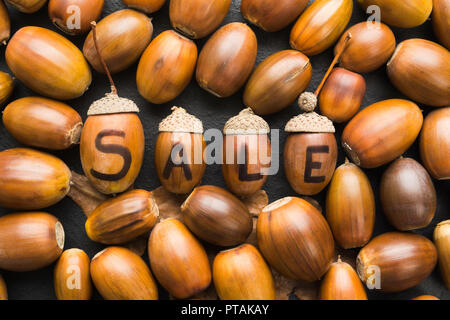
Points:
x=43 y=123
x=123 y=218
x=29 y=241
x=5 y=24
x=166 y=67
x=407 y=194
x=6 y=87
x=48 y=63
x=371 y=138
x=277 y=82
x=242 y=274
x=227 y=59
x=71 y=277
x=350 y=206
x=31 y=180
x=369 y=48
x=3 y=289
x=74 y=17
x=216 y=216
x=272 y=15
x=441 y=239
x=27 y=6
x=147 y=6
x=178 y=259
x=320 y=26
x=440 y=17
x=295 y=239
x=197 y=18
x=120 y=274
x=121 y=37
x=396 y=261
x=426 y=297
x=434 y=143
x=427 y=80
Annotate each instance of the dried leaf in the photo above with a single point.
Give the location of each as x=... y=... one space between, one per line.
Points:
x=138 y=245
x=252 y=239
x=168 y=203
x=256 y=202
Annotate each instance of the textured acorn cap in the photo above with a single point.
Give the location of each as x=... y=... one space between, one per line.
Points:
x=310 y=122
x=112 y=103
x=181 y=121
x=246 y=122
x=307 y=101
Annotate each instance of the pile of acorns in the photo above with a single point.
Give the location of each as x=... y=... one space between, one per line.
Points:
x=292 y=236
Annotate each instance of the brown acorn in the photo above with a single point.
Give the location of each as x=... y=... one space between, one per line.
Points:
x=371 y=138
x=48 y=63
x=272 y=15
x=425 y=297
x=396 y=261
x=216 y=216
x=43 y=123
x=440 y=17
x=74 y=16
x=71 y=277
x=442 y=241
x=427 y=80
x=112 y=141
x=407 y=195
x=295 y=239
x=197 y=18
x=246 y=153
x=27 y=6
x=320 y=26
x=341 y=282
x=166 y=67
x=350 y=206
x=369 y=48
x=123 y=218
x=29 y=240
x=3 y=290
x=6 y=87
x=120 y=274
x=179 y=152
x=121 y=37
x=31 y=180
x=5 y=24
x=227 y=59
x=178 y=259
x=242 y=274
x=434 y=143
x=147 y=6
x=277 y=82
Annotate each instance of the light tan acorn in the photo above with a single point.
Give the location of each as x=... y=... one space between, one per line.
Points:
x=6 y=87
x=442 y=241
x=5 y=24
x=3 y=289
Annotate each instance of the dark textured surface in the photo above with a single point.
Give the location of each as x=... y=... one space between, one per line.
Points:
x=214 y=112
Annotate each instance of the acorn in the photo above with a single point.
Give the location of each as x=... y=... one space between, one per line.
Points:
x=123 y=218
x=178 y=259
x=272 y=15
x=370 y=47
x=341 y=282
x=320 y=26
x=350 y=206
x=371 y=138
x=48 y=63
x=442 y=241
x=5 y=24
x=179 y=152
x=112 y=141
x=242 y=274
x=166 y=67
x=216 y=216
x=342 y=95
x=29 y=240
x=27 y=6
x=43 y=123
x=306 y=251
x=3 y=290
x=71 y=277
x=227 y=59
x=440 y=17
x=401 y=13
x=396 y=261
x=121 y=37
x=425 y=297
x=120 y=274
x=246 y=153
x=147 y=6
x=197 y=18
x=277 y=82
x=31 y=180
x=6 y=86
x=74 y=16
x=434 y=143
x=407 y=195
x=410 y=73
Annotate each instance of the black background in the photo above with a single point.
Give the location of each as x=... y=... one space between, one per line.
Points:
x=214 y=112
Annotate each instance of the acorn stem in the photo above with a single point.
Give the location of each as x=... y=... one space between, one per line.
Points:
x=105 y=67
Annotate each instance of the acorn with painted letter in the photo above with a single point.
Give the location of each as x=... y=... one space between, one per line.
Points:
x=441 y=239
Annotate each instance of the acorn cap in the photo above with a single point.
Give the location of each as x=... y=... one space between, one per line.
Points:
x=246 y=122
x=310 y=122
x=181 y=121
x=112 y=103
